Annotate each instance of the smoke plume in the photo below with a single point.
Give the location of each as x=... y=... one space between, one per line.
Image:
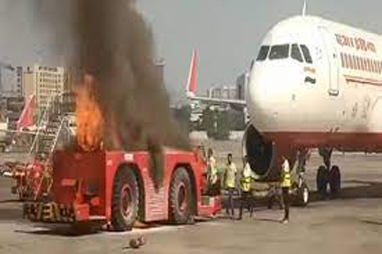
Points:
x=116 y=48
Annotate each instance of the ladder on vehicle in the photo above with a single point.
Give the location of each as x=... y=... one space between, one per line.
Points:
x=53 y=126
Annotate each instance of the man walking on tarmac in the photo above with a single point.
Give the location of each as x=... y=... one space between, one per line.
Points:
x=229 y=184
x=212 y=174
x=246 y=189
x=285 y=186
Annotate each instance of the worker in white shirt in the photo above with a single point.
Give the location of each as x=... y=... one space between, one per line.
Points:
x=230 y=184
x=246 y=188
x=212 y=173
x=285 y=186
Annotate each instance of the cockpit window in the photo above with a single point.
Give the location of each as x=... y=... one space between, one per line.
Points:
x=279 y=52
x=263 y=53
x=306 y=53
x=296 y=53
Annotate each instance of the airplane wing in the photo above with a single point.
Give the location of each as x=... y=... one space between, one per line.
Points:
x=218 y=101
x=191 y=89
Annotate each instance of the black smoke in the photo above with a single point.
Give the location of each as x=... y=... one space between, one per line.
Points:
x=116 y=47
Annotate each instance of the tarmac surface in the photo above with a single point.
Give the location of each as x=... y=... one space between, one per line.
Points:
x=350 y=224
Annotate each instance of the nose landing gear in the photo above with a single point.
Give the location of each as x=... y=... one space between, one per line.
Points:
x=300 y=188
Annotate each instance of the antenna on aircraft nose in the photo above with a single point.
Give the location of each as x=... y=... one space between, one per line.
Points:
x=304 y=9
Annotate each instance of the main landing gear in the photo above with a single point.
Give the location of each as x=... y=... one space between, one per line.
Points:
x=328 y=175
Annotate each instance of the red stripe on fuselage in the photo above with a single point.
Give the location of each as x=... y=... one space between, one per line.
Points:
x=371 y=142
x=361 y=80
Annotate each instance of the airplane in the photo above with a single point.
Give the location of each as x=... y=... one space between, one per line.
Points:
x=191 y=89
x=314 y=84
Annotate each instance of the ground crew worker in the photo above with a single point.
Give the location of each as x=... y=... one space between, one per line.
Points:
x=285 y=186
x=229 y=181
x=212 y=173
x=246 y=189
x=274 y=195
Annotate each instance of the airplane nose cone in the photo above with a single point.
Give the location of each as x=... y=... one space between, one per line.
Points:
x=260 y=103
x=269 y=97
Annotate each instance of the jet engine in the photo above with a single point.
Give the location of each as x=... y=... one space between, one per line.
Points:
x=262 y=155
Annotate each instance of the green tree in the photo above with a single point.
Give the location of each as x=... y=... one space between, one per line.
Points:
x=182 y=115
x=217 y=124
x=208 y=122
x=223 y=125
x=237 y=118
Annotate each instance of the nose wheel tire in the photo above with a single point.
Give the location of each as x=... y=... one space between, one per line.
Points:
x=335 y=181
x=181 y=197
x=125 y=200
x=303 y=195
x=322 y=181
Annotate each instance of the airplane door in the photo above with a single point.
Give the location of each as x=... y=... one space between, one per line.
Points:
x=330 y=53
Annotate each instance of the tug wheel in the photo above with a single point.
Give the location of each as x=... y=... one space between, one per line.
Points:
x=335 y=180
x=125 y=200
x=181 y=197
x=322 y=181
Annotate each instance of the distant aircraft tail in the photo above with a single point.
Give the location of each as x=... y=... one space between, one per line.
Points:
x=26 y=118
x=191 y=82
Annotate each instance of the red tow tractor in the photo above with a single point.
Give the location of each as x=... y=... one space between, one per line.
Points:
x=115 y=188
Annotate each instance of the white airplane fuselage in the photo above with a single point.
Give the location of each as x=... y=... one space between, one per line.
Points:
x=334 y=100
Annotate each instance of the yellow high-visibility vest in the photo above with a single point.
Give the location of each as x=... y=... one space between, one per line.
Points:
x=285 y=175
x=230 y=175
x=245 y=184
x=212 y=172
x=245 y=181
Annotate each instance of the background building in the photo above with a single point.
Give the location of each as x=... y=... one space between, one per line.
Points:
x=19 y=82
x=236 y=92
x=241 y=83
x=226 y=92
x=49 y=81
x=43 y=82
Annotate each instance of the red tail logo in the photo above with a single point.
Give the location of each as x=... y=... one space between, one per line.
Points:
x=191 y=82
x=26 y=118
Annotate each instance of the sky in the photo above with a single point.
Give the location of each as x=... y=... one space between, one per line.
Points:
x=226 y=33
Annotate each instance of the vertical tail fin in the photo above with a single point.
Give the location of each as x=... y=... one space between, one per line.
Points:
x=191 y=82
x=26 y=118
x=304 y=9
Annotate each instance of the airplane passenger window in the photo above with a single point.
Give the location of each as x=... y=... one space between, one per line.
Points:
x=368 y=66
x=343 y=64
x=362 y=63
x=358 y=61
x=263 y=53
x=306 y=53
x=296 y=53
x=378 y=67
x=371 y=66
x=347 y=60
x=375 y=66
x=279 y=52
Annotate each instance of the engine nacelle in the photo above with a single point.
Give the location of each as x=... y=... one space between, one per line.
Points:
x=262 y=155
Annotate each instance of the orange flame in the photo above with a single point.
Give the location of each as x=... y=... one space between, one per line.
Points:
x=90 y=123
